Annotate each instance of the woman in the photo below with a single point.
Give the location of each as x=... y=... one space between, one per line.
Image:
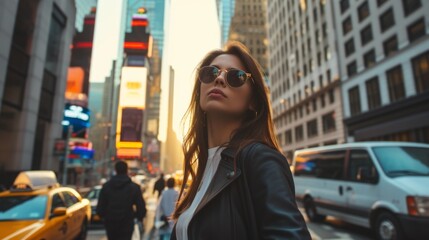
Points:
x=242 y=187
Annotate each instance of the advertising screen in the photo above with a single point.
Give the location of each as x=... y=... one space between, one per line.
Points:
x=77 y=117
x=131 y=125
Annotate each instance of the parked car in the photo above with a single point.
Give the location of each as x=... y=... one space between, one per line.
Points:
x=379 y=185
x=37 y=207
x=92 y=196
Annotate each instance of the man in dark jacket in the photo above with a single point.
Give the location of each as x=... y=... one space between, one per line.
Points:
x=159 y=185
x=119 y=202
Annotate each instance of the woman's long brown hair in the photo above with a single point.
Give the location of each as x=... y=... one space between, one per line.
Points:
x=257 y=125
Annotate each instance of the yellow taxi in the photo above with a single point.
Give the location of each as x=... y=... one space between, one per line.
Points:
x=36 y=207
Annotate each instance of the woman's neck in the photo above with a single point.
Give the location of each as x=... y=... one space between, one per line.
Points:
x=220 y=129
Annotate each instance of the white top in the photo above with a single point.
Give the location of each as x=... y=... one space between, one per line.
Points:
x=211 y=167
x=166 y=205
x=167 y=202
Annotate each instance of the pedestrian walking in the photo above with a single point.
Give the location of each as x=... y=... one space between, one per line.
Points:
x=165 y=209
x=242 y=187
x=159 y=185
x=119 y=203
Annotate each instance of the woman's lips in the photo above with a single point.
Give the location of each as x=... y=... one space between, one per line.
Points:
x=216 y=93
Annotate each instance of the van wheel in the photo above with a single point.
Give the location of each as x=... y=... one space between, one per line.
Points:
x=311 y=212
x=387 y=227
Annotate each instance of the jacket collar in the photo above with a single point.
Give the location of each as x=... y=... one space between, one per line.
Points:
x=224 y=176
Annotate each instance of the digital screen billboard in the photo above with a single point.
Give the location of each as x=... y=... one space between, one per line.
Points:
x=131 y=125
x=132 y=102
x=77 y=117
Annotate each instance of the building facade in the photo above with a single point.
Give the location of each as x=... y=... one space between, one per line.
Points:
x=384 y=47
x=248 y=26
x=304 y=75
x=225 y=12
x=34 y=58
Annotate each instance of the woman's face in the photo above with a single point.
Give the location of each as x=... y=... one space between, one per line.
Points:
x=218 y=97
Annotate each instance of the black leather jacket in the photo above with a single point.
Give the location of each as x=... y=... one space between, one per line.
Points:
x=257 y=201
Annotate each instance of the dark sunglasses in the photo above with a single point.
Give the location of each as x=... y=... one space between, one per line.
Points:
x=234 y=77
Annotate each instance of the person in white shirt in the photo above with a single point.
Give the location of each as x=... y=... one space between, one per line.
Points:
x=165 y=208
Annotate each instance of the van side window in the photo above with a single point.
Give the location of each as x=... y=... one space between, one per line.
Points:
x=326 y=165
x=361 y=168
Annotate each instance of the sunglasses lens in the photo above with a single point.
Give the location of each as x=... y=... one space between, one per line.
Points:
x=236 y=78
x=208 y=74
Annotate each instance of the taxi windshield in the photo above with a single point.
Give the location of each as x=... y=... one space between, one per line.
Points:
x=403 y=161
x=14 y=208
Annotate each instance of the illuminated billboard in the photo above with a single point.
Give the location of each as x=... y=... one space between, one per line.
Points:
x=77 y=117
x=131 y=126
x=75 y=78
x=133 y=87
x=132 y=102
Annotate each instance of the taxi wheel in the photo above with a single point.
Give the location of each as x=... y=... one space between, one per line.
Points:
x=83 y=231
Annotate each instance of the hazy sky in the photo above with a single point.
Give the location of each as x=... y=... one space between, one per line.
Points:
x=191 y=30
x=106 y=38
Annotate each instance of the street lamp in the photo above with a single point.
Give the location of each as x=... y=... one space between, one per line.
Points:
x=66 y=149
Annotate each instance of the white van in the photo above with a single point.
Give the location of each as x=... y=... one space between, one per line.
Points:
x=379 y=185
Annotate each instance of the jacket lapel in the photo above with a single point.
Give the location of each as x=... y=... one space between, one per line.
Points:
x=223 y=177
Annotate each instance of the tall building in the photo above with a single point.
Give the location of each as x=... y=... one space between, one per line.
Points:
x=34 y=59
x=384 y=68
x=248 y=25
x=304 y=74
x=155 y=13
x=172 y=154
x=225 y=12
x=83 y=7
x=82 y=52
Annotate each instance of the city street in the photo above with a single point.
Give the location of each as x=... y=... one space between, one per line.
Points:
x=330 y=229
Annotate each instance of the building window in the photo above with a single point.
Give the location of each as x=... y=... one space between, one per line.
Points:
x=369 y=58
x=58 y=23
x=328 y=75
x=349 y=46
x=319 y=59
x=395 y=82
x=387 y=20
x=351 y=69
x=366 y=35
x=331 y=96
x=299 y=133
x=373 y=93
x=411 y=6
x=381 y=2
x=354 y=100
x=19 y=56
x=363 y=11
x=322 y=100
x=347 y=25
x=314 y=105
x=421 y=72
x=328 y=122
x=344 y=5
x=288 y=137
x=312 y=128
x=47 y=95
x=390 y=46
x=416 y=30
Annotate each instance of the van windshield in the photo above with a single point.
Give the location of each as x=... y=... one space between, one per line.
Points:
x=403 y=161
